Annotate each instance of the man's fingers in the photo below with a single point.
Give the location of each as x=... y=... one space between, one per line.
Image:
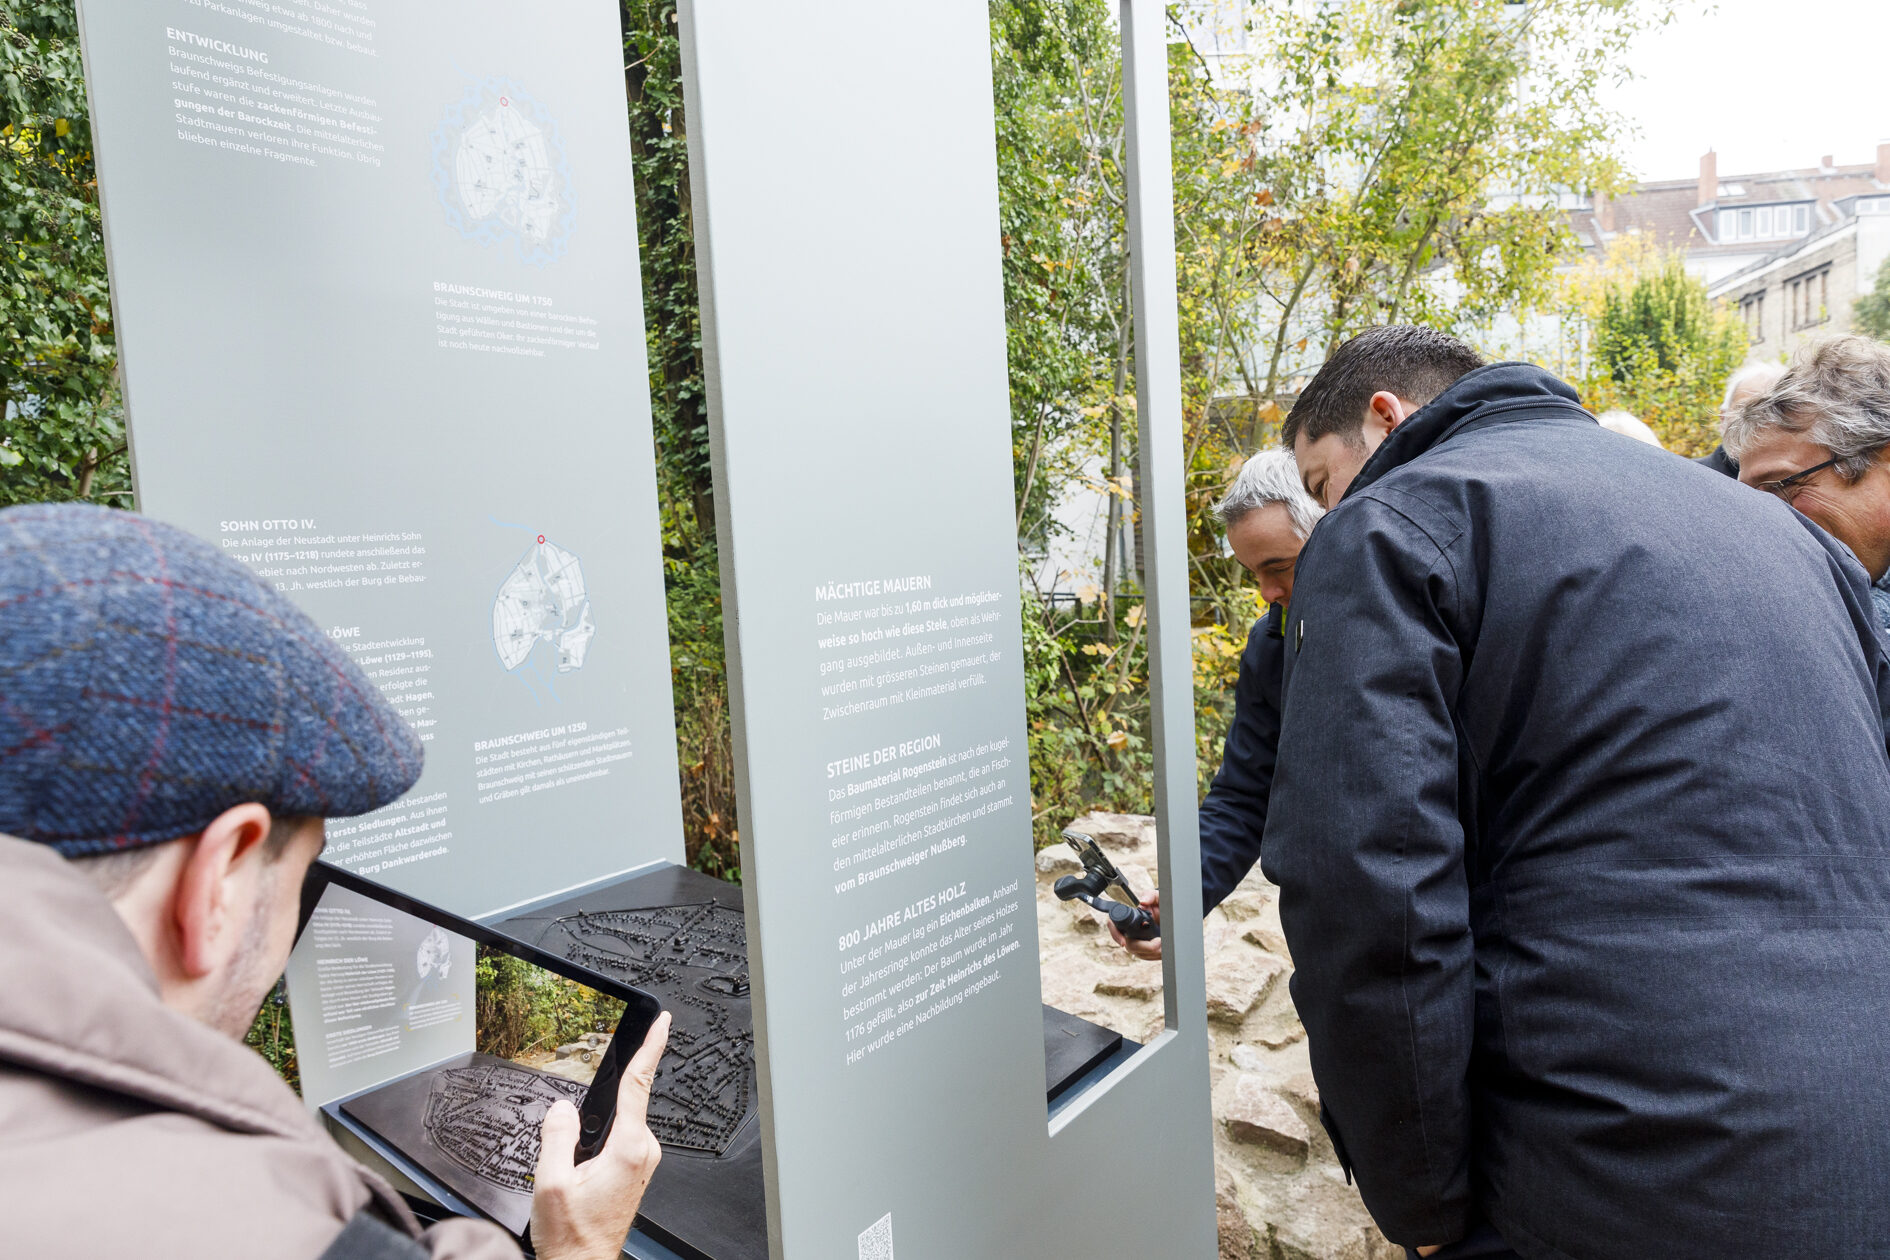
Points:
x=639 y=1075
x=557 y=1145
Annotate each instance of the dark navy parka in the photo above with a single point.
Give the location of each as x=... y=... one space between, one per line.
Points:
x=1234 y=815
x=1581 y=821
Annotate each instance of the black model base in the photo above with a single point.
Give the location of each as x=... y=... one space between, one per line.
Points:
x=1072 y=1047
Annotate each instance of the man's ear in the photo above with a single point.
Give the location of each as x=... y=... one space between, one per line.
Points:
x=1385 y=412
x=216 y=887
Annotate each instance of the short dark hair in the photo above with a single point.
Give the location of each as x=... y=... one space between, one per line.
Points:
x=1417 y=364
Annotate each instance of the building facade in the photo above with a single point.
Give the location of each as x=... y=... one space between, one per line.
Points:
x=1806 y=290
x=1725 y=225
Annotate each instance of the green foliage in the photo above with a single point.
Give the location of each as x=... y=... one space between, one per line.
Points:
x=659 y=148
x=1056 y=65
x=1871 y=313
x=272 y=1035
x=64 y=430
x=1086 y=706
x=679 y=408
x=698 y=677
x=1057 y=87
x=522 y=1009
x=1661 y=350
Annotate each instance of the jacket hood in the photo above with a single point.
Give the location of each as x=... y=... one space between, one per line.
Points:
x=1493 y=394
x=82 y=1005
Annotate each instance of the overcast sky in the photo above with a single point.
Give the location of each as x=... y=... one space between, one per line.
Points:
x=1768 y=83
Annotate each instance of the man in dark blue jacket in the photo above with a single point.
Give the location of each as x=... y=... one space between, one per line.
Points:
x=1267 y=515
x=1580 y=825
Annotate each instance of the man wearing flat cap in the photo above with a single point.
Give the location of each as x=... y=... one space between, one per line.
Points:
x=172 y=734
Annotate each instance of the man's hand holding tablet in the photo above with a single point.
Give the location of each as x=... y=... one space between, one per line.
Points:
x=584 y=1211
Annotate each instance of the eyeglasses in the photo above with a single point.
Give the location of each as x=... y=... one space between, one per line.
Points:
x=1787 y=488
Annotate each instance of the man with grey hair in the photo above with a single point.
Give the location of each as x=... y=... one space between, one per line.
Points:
x=1746 y=384
x=1816 y=439
x=1267 y=515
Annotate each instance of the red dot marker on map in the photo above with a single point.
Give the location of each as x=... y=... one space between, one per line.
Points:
x=541 y=538
x=505 y=101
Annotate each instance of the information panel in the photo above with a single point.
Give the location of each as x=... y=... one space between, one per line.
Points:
x=375 y=277
x=846 y=211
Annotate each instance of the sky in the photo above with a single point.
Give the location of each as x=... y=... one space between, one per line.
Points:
x=1769 y=84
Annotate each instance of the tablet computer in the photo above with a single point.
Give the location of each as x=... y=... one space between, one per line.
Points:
x=401 y=979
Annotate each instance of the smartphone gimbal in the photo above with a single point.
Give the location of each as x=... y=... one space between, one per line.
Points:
x=1101 y=879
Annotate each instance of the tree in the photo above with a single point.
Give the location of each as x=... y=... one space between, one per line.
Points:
x=1419 y=154
x=1653 y=344
x=64 y=432
x=1871 y=313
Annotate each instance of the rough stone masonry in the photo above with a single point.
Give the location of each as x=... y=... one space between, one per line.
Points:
x=1279 y=1192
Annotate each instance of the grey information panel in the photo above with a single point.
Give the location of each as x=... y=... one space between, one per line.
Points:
x=846 y=212
x=375 y=277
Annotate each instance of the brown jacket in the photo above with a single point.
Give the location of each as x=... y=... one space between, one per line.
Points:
x=128 y=1129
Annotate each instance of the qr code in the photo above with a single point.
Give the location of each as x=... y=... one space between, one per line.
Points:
x=876 y=1242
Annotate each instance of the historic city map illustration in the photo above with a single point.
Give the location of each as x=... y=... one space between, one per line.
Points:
x=500 y=171
x=543 y=601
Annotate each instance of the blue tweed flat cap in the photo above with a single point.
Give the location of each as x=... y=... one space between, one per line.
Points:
x=148 y=683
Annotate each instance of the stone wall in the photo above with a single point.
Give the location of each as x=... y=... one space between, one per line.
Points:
x=1280 y=1193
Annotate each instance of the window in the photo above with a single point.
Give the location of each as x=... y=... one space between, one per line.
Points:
x=1765 y=221
x=1801 y=220
x=1745 y=225
x=1811 y=299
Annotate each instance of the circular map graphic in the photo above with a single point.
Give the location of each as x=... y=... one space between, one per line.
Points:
x=500 y=171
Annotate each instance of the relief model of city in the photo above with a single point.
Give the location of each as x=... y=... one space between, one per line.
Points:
x=693 y=959
x=486 y=1118
x=474 y=1122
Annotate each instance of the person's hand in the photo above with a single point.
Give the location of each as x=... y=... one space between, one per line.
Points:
x=1431 y=1250
x=584 y=1211
x=1150 y=950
